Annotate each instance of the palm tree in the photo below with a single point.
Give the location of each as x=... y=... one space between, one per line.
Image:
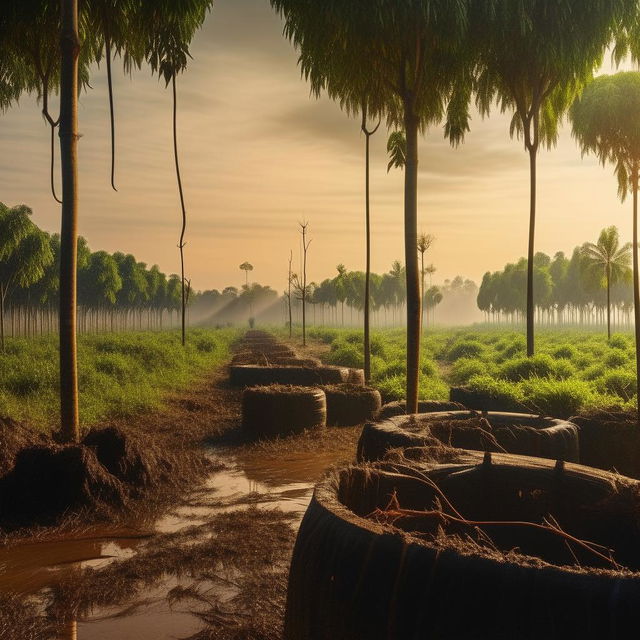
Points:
x=420 y=79
x=613 y=260
x=425 y=240
x=246 y=267
x=535 y=57
x=605 y=122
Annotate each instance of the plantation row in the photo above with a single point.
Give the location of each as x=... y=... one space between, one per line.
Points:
x=116 y=292
x=572 y=370
x=580 y=290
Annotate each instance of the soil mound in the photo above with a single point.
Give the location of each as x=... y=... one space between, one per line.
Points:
x=48 y=481
x=14 y=436
x=124 y=456
x=274 y=410
x=350 y=404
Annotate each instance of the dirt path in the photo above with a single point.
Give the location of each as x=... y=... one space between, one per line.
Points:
x=208 y=562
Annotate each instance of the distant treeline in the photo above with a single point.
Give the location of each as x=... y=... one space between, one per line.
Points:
x=117 y=292
x=566 y=290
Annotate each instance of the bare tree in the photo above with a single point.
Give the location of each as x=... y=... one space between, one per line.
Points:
x=289 y=281
x=300 y=283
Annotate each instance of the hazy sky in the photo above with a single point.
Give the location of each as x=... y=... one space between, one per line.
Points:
x=259 y=154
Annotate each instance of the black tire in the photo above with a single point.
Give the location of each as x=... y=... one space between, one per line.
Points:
x=524 y=434
x=399 y=408
x=352 y=578
x=273 y=411
x=252 y=375
x=349 y=404
x=610 y=440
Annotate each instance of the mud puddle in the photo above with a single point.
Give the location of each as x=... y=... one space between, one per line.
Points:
x=248 y=478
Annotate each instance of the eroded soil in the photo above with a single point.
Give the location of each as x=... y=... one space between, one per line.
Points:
x=210 y=561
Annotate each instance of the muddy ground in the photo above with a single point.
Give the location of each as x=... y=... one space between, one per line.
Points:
x=206 y=557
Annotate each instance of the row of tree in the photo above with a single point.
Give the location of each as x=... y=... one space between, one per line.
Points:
x=50 y=46
x=419 y=63
x=115 y=291
x=593 y=286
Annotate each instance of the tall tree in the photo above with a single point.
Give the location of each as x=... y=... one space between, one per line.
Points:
x=611 y=260
x=157 y=33
x=535 y=56
x=425 y=240
x=421 y=78
x=605 y=122
x=25 y=253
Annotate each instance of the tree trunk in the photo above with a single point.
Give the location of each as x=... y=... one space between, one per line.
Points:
x=70 y=48
x=636 y=290
x=367 y=277
x=184 y=213
x=608 y=302
x=2 y=294
x=533 y=150
x=411 y=257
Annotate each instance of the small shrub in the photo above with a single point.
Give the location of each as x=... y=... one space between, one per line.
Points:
x=565 y=351
x=539 y=366
x=346 y=355
x=616 y=358
x=465 y=368
x=557 y=398
x=619 y=342
x=620 y=382
x=465 y=349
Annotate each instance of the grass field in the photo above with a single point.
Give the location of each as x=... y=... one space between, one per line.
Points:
x=118 y=374
x=571 y=371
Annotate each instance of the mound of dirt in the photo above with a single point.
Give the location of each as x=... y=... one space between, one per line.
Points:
x=14 y=436
x=125 y=457
x=47 y=482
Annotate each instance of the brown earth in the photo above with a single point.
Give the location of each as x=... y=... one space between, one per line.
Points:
x=229 y=569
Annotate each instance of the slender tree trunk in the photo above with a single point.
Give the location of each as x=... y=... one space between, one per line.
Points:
x=421 y=291
x=289 y=296
x=636 y=284
x=608 y=302
x=184 y=212
x=70 y=48
x=304 y=287
x=2 y=294
x=411 y=257
x=533 y=151
x=367 y=277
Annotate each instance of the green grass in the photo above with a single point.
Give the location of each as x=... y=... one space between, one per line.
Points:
x=118 y=374
x=572 y=370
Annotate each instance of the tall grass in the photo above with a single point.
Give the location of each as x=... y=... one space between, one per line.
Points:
x=118 y=374
x=572 y=370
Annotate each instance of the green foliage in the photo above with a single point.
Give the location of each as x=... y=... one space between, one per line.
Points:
x=619 y=382
x=604 y=122
x=616 y=358
x=464 y=349
x=558 y=398
x=118 y=375
x=466 y=368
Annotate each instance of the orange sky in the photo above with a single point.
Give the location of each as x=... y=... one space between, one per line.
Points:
x=258 y=155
